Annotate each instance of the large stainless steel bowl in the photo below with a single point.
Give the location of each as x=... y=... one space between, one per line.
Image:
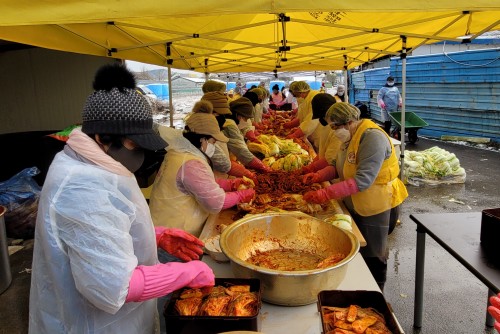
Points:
x=291 y=230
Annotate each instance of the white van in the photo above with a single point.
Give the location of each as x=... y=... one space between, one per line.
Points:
x=153 y=100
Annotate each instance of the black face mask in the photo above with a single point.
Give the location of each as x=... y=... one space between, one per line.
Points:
x=131 y=159
x=322 y=121
x=221 y=119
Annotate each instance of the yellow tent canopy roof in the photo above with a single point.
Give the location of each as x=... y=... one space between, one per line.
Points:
x=244 y=36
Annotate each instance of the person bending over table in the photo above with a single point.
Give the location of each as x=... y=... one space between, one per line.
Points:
x=369 y=185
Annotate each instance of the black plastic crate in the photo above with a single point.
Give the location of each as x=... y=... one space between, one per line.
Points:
x=177 y=324
x=373 y=299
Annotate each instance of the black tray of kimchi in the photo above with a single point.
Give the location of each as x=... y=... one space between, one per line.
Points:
x=203 y=324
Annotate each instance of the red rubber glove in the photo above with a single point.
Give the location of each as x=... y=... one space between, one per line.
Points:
x=335 y=191
x=181 y=244
x=234 y=184
x=494 y=310
x=250 y=135
x=292 y=124
x=259 y=166
x=316 y=165
x=400 y=104
x=296 y=134
x=381 y=104
x=239 y=170
x=325 y=174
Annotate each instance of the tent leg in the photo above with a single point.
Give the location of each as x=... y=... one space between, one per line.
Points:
x=403 y=109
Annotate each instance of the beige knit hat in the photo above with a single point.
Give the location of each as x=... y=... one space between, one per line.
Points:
x=219 y=101
x=213 y=86
x=205 y=124
x=242 y=107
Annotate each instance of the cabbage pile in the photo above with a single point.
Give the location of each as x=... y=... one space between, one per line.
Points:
x=434 y=164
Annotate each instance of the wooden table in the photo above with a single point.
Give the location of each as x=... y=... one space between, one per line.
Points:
x=459 y=235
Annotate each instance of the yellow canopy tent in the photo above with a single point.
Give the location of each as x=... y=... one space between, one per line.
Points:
x=243 y=36
x=220 y=36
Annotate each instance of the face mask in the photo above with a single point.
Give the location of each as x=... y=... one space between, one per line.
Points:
x=340 y=93
x=342 y=134
x=390 y=83
x=221 y=119
x=130 y=159
x=210 y=150
x=242 y=124
x=322 y=121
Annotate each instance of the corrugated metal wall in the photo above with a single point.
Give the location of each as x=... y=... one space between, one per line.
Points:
x=43 y=89
x=455 y=93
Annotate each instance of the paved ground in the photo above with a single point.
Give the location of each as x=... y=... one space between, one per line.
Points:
x=454 y=299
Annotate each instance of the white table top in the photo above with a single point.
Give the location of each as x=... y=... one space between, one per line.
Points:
x=302 y=319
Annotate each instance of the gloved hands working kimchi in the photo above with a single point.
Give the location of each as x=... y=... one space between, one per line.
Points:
x=258 y=165
x=494 y=310
x=326 y=174
x=296 y=134
x=235 y=184
x=179 y=243
x=237 y=197
x=239 y=170
x=148 y=282
x=335 y=191
x=292 y=124
x=314 y=166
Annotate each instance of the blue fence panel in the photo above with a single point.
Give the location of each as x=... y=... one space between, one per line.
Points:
x=455 y=93
x=160 y=90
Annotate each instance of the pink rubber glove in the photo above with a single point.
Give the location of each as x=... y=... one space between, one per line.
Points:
x=314 y=166
x=381 y=104
x=325 y=174
x=335 y=191
x=148 y=282
x=292 y=124
x=494 y=310
x=259 y=166
x=400 y=104
x=296 y=134
x=181 y=244
x=234 y=184
x=236 y=197
x=250 y=135
x=239 y=170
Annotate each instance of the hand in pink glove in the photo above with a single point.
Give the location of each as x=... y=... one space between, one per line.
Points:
x=400 y=104
x=325 y=174
x=335 y=191
x=296 y=134
x=292 y=124
x=237 y=183
x=181 y=244
x=381 y=104
x=316 y=165
x=148 y=282
x=245 y=195
x=494 y=310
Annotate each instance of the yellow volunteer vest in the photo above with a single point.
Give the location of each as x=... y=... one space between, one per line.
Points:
x=171 y=207
x=337 y=98
x=387 y=191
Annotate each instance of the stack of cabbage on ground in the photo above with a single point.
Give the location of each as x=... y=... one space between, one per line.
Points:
x=432 y=166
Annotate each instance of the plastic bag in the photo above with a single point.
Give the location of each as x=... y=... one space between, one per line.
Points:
x=20 y=195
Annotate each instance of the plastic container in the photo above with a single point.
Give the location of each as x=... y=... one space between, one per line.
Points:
x=5 y=273
x=362 y=298
x=411 y=119
x=490 y=230
x=177 y=324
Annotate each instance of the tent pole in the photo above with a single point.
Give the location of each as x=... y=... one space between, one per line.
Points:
x=403 y=108
x=170 y=103
x=344 y=74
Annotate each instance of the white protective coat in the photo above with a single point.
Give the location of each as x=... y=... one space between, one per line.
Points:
x=93 y=230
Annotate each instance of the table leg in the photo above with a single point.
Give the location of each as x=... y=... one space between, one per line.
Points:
x=419 y=279
x=490 y=321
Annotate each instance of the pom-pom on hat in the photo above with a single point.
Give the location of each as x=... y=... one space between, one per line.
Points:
x=242 y=107
x=205 y=124
x=219 y=102
x=203 y=106
x=116 y=108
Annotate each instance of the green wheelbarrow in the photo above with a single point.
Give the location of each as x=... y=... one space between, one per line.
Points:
x=412 y=124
